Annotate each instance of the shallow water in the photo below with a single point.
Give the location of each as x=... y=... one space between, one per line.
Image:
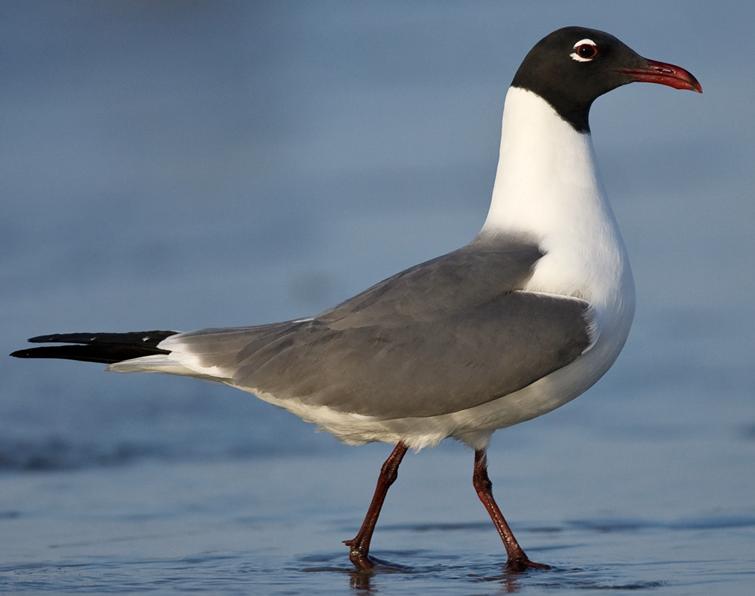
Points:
x=185 y=165
x=661 y=515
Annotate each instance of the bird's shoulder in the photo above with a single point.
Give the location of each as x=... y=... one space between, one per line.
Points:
x=456 y=281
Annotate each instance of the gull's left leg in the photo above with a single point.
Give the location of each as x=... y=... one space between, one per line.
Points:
x=359 y=546
x=517 y=558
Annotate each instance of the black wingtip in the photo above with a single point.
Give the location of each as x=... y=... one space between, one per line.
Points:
x=43 y=352
x=105 y=348
x=75 y=338
x=39 y=339
x=30 y=353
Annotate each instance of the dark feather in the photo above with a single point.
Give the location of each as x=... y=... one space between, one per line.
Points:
x=106 y=348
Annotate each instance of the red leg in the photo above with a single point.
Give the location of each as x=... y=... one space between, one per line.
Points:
x=517 y=558
x=359 y=546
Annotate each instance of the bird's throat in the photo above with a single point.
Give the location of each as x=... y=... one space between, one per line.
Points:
x=547 y=189
x=546 y=176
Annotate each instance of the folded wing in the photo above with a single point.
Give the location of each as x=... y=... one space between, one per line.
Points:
x=444 y=335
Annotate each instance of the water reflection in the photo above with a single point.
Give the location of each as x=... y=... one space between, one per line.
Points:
x=510 y=582
x=361 y=581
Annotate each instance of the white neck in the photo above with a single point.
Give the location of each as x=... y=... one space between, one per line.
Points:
x=547 y=188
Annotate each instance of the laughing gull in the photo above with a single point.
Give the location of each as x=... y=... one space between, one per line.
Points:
x=520 y=321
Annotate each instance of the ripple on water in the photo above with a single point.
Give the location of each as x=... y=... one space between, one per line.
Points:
x=463 y=576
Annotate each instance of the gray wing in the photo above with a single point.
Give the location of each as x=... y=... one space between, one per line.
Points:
x=459 y=280
x=445 y=335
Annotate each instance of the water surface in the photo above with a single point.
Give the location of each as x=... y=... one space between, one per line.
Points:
x=186 y=165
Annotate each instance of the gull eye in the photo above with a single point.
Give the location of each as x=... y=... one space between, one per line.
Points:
x=584 y=50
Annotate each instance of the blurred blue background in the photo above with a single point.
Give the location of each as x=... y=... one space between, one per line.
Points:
x=180 y=165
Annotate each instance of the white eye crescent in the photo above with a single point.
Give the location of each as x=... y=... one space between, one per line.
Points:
x=584 y=50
